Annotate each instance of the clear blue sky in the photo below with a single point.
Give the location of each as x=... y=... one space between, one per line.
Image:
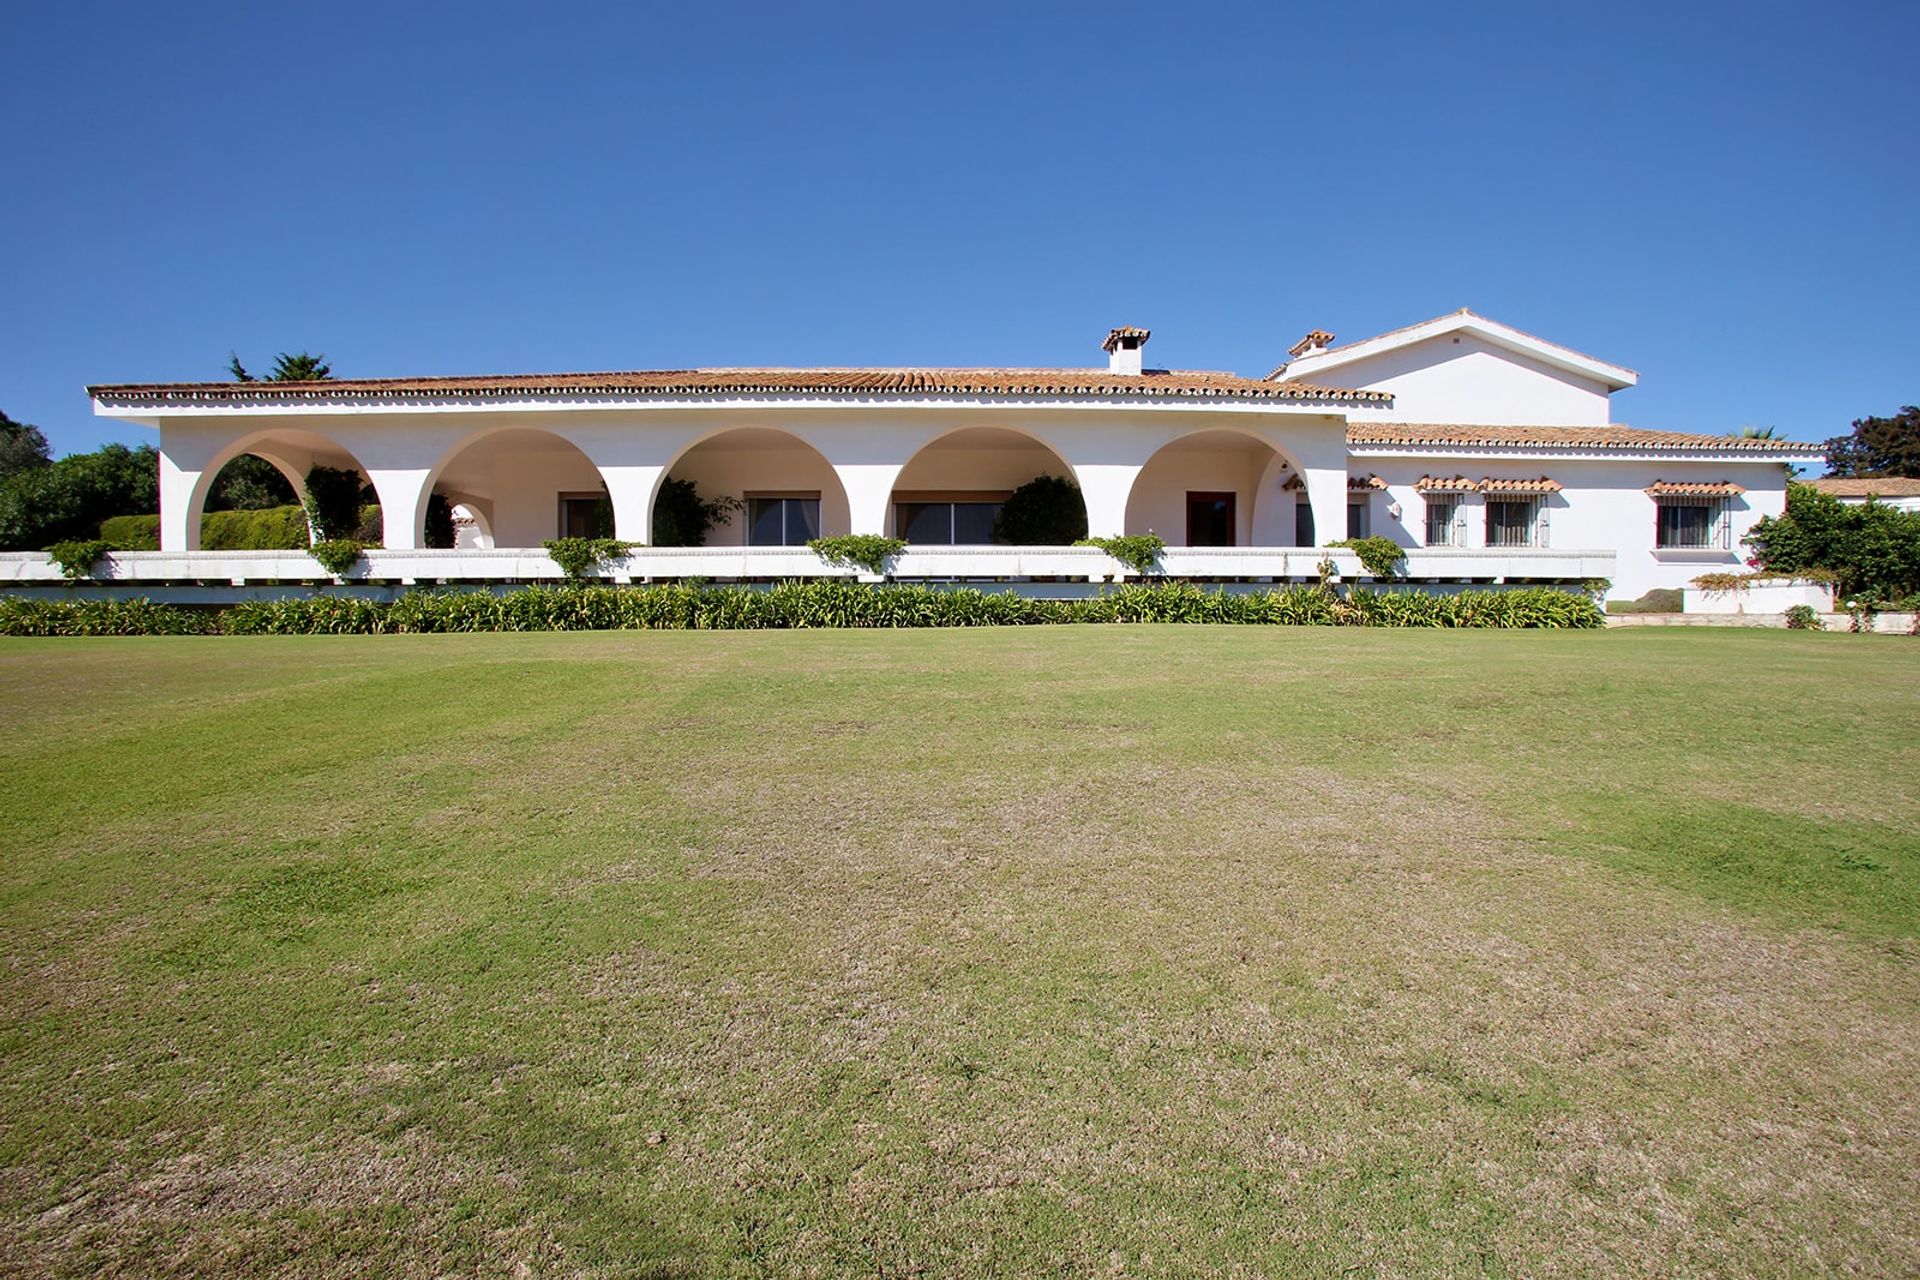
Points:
x=1723 y=199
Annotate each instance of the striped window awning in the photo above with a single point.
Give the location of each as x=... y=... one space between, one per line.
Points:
x=1444 y=484
x=1520 y=488
x=1694 y=489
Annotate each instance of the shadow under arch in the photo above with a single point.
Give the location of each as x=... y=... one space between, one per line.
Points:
x=518 y=478
x=983 y=463
x=1216 y=461
x=760 y=466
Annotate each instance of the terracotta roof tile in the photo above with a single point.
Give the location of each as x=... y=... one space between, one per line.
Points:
x=1869 y=486
x=1694 y=489
x=1608 y=437
x=1154 y=384
x=1543 y=485
x=1447 y=484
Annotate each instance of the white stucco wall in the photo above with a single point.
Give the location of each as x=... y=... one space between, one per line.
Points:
x=1465 y=378
x=1602 y=503
x=1217 y=462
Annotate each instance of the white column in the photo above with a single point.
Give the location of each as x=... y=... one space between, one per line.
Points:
x=1327 y=495
x=632 y=489
x=1106 y=487
x=403 y=505
x=869 y=487
x=179 y=509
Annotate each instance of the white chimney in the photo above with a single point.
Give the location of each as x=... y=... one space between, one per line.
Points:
x=1123 y=349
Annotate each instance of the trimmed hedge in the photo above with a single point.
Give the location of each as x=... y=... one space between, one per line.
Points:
x=261 y=529
x=795 y=605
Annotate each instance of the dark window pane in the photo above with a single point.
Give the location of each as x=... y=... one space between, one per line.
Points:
x=1440 y=512
x=586 y=518
x=925 y=522
x=1509 y=524
x=764 y=522
x=1302 y=523
x=1210 y=519
x=803 y=520
x=1356 y=519
x=973 y=522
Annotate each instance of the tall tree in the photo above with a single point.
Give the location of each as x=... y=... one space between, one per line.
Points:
x=1878 y=447
x=69 y=498
x=298 y=366
x=23 y=447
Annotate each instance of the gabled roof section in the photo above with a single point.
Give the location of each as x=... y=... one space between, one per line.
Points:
x=1614 y=438
x=670 y=383
x=1868 y=486
x=1615 y=377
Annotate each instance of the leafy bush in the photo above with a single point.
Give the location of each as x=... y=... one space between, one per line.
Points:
x=1872 y=548
x=76 y=559
x=1046 y=511
x=337 y=555
x=684 y=607
x=1801 y=617
x=869 y=551
x=42 y=503
x=681 y=517
x=578 y=558
x=1140 y=551
x=132 y=533
x=1379 y=556
x=333 y=503
x=1658 y=600
x=267 y=529
x=371 y=531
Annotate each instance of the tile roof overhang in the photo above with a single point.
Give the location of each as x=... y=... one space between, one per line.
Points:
x=1444 y=484
x=1523 y=488
x=1154 y=384
x=1613 y=438
x=1868 y=486
x=1694 y=489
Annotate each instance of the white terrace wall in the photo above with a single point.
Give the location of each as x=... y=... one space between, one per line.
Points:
x=1464 y=378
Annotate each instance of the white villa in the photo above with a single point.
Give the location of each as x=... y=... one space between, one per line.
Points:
x=1490 y=454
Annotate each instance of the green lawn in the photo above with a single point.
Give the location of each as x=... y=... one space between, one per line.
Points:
x=1066 y=951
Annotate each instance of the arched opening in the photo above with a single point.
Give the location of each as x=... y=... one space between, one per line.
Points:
x=748 y=486
x=1219 y=488
x=521 y=486
x=254 y=495
x=472 y=531
x=953 y=491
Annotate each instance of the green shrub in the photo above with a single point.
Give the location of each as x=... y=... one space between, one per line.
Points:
x=681 y=517
x=76 y=559
x=1801 y=617
x=1658 y=600
x=578 y=558
x=132 y=533
x=1379 y=556
x=440 y=530
x=333 y=503
x=869 y=551
x=1140 y=551
x=1046 y=511
x=337 y=556
x=263 y=529
x=794 y=605
x=1872 y=548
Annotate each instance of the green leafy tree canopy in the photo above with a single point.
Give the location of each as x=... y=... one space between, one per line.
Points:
x=298 y=366
x=1878 y=447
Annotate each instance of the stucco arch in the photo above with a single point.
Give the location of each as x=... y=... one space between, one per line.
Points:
x=771 y=459
x=522 y=508
x=1203 y=459
x=992 y=457
x=291 y=451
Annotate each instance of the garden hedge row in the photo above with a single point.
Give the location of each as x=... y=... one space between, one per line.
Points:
x=264 y=529
x=792 y=605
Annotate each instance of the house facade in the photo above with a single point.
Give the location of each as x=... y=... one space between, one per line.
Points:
x=1490 y=454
